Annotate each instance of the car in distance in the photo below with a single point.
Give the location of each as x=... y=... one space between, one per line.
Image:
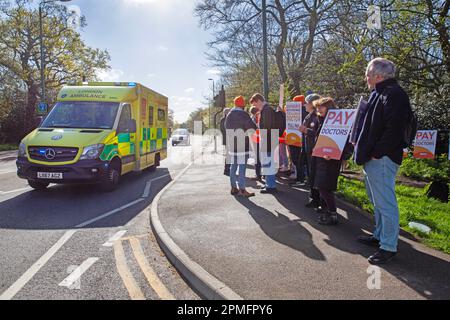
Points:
x=180 y=136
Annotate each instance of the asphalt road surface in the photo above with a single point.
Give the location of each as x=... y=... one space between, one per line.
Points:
x=77 y=242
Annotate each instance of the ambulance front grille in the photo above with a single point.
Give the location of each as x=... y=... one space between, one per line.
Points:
x=52 y=154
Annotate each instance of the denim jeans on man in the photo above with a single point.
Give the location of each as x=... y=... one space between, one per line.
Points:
x=269 y=169
x=240 y=164
x=380 y=183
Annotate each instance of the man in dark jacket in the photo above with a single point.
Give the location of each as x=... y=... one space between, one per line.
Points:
x=267 y=144
x=380 y=149
x=226 y=170
x=237 y=124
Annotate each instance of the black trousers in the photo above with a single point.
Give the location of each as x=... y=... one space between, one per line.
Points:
x=313 y=193
x=299 y=159
x=258 y=162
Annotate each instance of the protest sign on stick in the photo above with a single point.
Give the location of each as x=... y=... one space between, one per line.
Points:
x=293 y=122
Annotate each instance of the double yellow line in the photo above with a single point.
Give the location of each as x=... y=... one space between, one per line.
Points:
x=129 y=281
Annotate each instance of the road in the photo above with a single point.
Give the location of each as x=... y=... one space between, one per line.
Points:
x=76 y=242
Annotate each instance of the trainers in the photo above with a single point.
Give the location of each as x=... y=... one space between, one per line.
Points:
x=297 y=184
x=284 y=169
x=245 y=193
x=328 y=218
x=381 y=257
x=319 y=209
x=312 y=204
x=268 y=190
x=234 y=191
x=369 y=240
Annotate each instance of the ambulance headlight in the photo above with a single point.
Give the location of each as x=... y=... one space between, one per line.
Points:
x=92 y=152
x=22 y=150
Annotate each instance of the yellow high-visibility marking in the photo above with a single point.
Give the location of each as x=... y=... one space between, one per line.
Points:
x=128 y=280
x=148 y=271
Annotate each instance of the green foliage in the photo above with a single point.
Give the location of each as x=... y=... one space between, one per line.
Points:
x=427 y=169
x=413 y=206
x=66 y=59
x=7 y=147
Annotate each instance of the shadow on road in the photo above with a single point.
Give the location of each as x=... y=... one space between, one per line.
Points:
x=65 y=206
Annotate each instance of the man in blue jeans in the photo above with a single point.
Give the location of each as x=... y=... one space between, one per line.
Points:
x=239 y=126
x=268 y=142
x=380 y=149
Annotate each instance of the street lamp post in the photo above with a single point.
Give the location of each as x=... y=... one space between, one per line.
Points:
x=265 y=62
x=41 y=41
x=212 y=102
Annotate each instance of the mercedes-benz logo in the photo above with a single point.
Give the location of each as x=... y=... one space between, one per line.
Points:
x=50 y=154
x=57 y=137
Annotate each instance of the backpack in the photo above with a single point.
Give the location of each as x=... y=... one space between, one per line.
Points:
x=280 y=122
x=410 y=130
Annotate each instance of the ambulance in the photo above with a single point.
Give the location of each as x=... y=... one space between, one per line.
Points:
x=96 y=133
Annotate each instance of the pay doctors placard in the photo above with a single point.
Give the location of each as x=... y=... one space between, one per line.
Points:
x=334 y=133
x=425 y=144
x=293 y=122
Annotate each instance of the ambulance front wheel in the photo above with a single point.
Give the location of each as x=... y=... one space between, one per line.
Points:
x=112 y=177
x=38 y=185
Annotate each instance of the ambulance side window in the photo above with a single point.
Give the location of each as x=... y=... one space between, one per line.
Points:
x=125 y=118
x=151 y=116
x=161 y=115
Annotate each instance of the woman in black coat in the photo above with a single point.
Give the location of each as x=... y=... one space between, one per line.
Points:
x=326 y=170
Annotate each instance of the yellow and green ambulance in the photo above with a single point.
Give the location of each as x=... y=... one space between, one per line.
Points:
x=95 y=133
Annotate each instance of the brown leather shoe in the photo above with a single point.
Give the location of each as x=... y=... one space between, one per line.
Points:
x=234 y=191
x=246 y=194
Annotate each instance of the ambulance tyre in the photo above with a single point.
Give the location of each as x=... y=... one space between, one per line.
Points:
x=112 y=176
x=38 y=185
x=155 y=165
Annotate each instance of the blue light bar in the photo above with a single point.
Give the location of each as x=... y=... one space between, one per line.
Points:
x=42 y=151
x=132 y=84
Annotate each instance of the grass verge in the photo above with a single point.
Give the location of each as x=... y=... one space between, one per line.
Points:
x=7 y=147
x=413 y=205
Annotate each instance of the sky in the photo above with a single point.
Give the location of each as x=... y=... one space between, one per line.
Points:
x=158 y=43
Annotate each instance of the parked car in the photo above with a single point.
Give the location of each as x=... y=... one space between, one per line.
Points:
x=180 y=136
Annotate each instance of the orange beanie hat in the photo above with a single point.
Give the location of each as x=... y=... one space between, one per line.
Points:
x=299 y=99
x=239 y=101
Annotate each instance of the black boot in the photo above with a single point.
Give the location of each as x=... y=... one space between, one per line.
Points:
x=328 y=218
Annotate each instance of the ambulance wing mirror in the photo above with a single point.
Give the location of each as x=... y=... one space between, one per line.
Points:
x=39 y=120
x=132 y=126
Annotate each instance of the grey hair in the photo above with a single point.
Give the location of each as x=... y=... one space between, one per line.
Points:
x=226 y=111
x=381 y=67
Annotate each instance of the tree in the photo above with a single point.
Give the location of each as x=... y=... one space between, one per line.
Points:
x=66 y=57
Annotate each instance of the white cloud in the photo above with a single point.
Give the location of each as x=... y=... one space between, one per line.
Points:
x=183 y=106
x=189 y=90
x=112 y=75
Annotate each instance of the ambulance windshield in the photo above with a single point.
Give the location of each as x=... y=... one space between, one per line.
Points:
x=82 y=114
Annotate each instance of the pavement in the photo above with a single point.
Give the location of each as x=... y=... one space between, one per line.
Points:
x=271 y=246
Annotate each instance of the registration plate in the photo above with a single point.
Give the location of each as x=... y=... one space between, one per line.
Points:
x=49 y=175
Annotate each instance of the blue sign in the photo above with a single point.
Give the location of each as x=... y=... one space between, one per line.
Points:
x=42 y=108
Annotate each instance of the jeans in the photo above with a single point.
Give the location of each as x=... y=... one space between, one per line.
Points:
x=241 y=180
x=380 y=184
x=284 y=160
x=269 y=169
